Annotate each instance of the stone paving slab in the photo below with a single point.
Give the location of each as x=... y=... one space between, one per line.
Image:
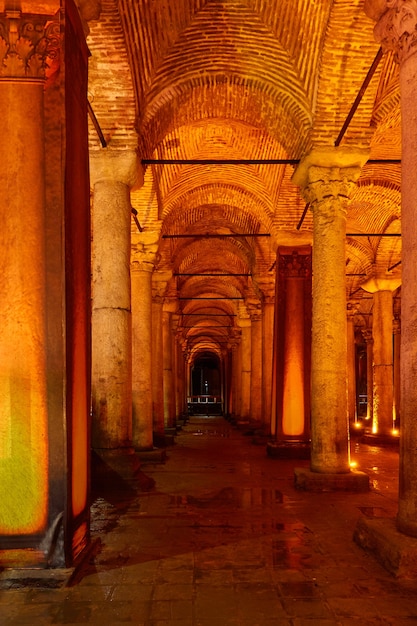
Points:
x=224 y=539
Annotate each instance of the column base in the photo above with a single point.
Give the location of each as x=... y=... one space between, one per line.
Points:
x=395 y=551
x=156 y=455
x=288 y=449
x=114 y=464
x=162 y=440
x=306 y=480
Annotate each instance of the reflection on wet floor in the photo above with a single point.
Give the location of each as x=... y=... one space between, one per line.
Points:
x=224 y=539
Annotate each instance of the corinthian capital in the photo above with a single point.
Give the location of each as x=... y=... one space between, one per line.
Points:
x=144 y=250
x=329 y=173
x=29 y=45
x=396 y=25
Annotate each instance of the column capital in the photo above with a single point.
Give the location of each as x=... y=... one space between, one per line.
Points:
x=352 y=308
x=396 y=25
x=367 y=335
x=267 y=289
x=295 y=264
x=329 y=172
x=144 y=250
x=122 y=166
x=381 y=283
x=30 y=44
x=160 y=282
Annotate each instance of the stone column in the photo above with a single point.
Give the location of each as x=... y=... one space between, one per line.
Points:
x=383 y=384
x=246 y=357
x=367 y=335
x=397 y=30
x=351 y=362
x=326 y=178
x=24 y=467
x=112 y=174
x=256 y=362
x=268 y=291
x=168 y=363
x=159 y=287
x=396 y=329
x=144 y=251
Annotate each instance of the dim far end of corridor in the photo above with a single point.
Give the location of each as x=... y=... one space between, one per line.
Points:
x=208 y=300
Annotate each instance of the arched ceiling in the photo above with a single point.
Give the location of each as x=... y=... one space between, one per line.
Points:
x=201 y=82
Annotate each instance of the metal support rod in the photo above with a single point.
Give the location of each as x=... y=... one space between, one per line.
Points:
x=373 y=234
x=211 y=314
x=135 y=213
x=208 y=274
x=214 y=298
x=96 y=125
x=241 y=161
x=214 y=235
x=359 y=97
x=394 y=266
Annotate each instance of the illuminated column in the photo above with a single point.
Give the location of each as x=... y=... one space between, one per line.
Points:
x=112 y=175
x=367 y=335
x=167 y=359
x=159 y=287
x=383 y=388
x=327 y=177
x=351 y=362
x=396 y=30
x=256 y=363
x=267 y=349
x=246 y=357
x=24 y=377
x=396 y=329
x=144 y=250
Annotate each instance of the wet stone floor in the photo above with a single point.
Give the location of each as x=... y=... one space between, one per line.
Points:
x=220 y=537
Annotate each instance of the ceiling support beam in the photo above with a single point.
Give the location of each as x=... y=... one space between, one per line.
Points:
x=214 y=235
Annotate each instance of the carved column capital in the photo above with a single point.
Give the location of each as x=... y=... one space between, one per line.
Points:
x=119 y=166
x=30 y=45
x=329 y=173
x=160 y=282
x=367 y=335
x=144 y=251
x=396 y=27
x=295 y=265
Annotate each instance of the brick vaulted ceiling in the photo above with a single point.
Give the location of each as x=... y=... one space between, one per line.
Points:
x=242 y=80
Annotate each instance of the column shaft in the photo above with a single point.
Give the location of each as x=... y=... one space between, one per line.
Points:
x=382 y=363
x=111 y=316
x=256 y=368
x=23 y=376
x=142 y=406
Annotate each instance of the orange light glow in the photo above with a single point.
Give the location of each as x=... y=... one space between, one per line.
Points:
x=293 y=397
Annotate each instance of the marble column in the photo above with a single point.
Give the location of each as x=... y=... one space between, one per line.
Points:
x=24 y=373
x=396 y=329
x=256 y=362
x=396 y=30
x=268 y=303
x=367 y=335
x=246 y=357
x=326 y=178
x=382 y=369
x=159 y=286
x=112 y=173
x=144 y=252
x=168 y=362
x=351 y=363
